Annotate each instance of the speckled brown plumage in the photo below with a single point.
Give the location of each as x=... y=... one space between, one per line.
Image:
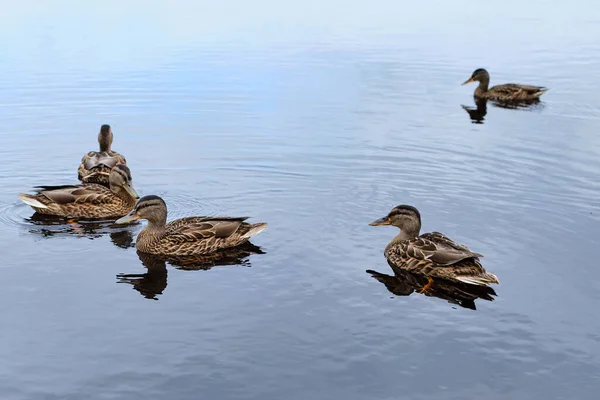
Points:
x=430 y=254
x=508 y=92
x=88 y=200
x=187 y=236
x=95 y=166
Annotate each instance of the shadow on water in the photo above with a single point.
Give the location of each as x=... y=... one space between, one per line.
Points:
x=404 y=283
x=51 y=226
x=153 y=282
x=477 y=114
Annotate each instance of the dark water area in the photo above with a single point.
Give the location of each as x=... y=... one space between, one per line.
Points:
x=316 y=117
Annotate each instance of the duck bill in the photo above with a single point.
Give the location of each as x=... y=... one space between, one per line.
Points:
x=381 y=222
x=132 y=216
x=132 y=192
x=468 y=81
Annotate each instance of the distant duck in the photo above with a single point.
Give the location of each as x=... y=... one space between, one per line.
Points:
x=432 y=255
x=88 y=200
x=187 y=236
x=507 y=92
x=95 y=166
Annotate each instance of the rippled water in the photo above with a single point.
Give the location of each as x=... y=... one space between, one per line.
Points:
x=316 y=118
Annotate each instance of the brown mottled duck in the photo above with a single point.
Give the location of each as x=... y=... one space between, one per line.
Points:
x=95 y=166
x=88 y=200
x=431 y=254
x=508 y=92
x=186 y=236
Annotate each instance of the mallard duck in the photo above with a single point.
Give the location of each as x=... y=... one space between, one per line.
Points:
x=95 y=166
x=186 y=236
x=88 y=200
x=430 y=254
x=507 y=92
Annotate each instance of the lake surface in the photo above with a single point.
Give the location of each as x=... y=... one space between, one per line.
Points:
x=316 y=118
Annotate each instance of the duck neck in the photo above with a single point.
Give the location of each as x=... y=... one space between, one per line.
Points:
x=157 y=225
x=407 y=233
x=105 y=142
x=104 y=147
x=151 y=234
x=123 y=195
x=484 y=84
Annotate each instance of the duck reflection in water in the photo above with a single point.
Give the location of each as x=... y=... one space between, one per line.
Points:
x=531 y=105
x=154 y=281
x=50 y=226
x=404 y=283
x=477 y=114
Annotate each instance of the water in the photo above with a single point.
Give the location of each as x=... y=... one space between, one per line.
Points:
x=316 y=118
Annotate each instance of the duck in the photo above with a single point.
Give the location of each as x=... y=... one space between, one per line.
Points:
x=432 y=255
x=95 y=166
x=506 y=92
x=87 y=200
x=186 y=236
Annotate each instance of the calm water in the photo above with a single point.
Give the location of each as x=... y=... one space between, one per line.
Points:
x=317 y=118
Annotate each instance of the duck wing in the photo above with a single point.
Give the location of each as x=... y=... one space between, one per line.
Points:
x=437 y=248
x=92 y=193
x=193 y=229
x=440 y=238
x=516 y=89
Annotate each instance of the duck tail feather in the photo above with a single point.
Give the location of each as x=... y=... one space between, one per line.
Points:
x=255 y=229
x=482 y=279
x=31 y=201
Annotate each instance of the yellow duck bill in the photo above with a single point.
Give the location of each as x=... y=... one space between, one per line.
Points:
x=132 y=216
x=132 y=192
x=380 y=222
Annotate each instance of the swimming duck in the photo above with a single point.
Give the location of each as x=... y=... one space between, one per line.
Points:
x=186 y=236
x=430 y=254
x=95 y=166
x=507 y=92
x=88 y=200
